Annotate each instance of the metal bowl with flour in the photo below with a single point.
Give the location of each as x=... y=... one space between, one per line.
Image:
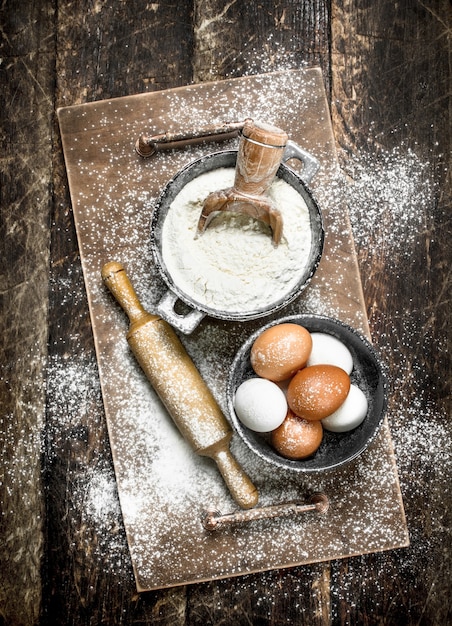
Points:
x=232 y=271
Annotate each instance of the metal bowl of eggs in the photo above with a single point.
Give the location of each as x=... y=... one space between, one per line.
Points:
x=307 y=393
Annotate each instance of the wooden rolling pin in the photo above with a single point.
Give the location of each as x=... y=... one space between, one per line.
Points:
x=179 y=385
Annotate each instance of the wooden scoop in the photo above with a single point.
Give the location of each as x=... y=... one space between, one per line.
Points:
x=259 y=155
x=179 y=385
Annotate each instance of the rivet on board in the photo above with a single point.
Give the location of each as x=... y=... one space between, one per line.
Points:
x=144 y=146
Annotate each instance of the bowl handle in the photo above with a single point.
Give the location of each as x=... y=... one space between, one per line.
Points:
x=310 y=164
x=185 y=323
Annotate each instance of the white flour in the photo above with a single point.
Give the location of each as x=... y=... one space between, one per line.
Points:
x=234 y=266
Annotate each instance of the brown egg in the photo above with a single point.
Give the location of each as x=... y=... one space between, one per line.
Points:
x=280 y=351
x=317 y=391
x=297 y=438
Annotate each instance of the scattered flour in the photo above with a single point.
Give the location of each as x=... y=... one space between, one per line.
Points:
x=385 y=194
x=416 y=429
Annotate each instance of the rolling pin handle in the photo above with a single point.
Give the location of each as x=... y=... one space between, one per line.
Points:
x=240 y=486
x=117 y=281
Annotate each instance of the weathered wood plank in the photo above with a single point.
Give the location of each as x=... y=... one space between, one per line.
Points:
x=103 y=51
x=295 y=596
x=390 y=93
x=26 y=110
x=237 y=38
x=106 y=50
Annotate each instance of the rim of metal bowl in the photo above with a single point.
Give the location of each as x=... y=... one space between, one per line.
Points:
x=197 y=167
x=365 y=359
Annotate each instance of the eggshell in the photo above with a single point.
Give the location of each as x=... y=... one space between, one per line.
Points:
x=280 y=351
x=260 y=404
x=317 y=391
x=329 y=350
x=350 y=414
x=297 y=438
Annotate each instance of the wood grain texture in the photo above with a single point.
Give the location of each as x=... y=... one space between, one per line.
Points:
x=26 y=110
x=236 y=38
x=390 y=71
x=389 y=65
x=105 y=51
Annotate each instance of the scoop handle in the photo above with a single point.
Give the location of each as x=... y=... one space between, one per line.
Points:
x=260 y=151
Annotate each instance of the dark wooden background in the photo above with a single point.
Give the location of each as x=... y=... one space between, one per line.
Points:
x=387 y=73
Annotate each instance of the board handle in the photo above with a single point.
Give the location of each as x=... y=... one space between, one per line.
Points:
x=148 y=145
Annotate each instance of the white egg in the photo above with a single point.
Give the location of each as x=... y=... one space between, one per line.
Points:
x=260 y=404
x=327 y=350
x=350 y=414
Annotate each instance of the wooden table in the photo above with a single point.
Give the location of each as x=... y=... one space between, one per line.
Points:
x=64 y=557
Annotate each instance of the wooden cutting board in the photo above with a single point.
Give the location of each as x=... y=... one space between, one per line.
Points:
x=163 y=487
